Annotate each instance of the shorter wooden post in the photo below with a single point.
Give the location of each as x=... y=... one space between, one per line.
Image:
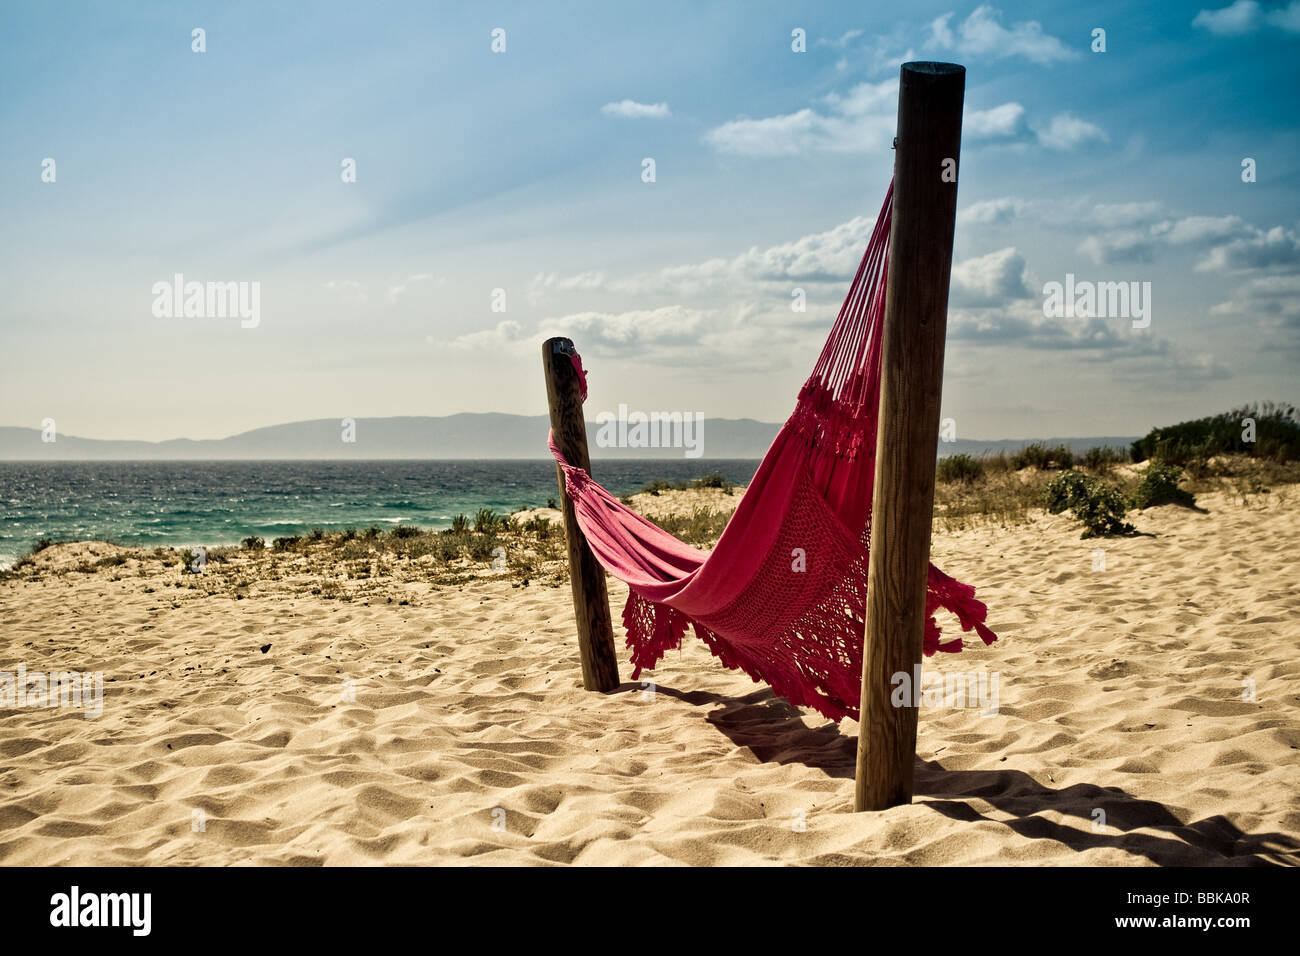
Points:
x=586 y=576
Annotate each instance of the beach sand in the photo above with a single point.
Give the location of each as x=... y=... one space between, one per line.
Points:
x=453 y=729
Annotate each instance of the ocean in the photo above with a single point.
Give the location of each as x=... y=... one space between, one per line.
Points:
x=182 y=503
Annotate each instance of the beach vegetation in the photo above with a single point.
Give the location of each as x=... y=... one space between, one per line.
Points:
x=1159 y=486
x=713 y=480
x=959 y=468
x=1259 y=430
x=486 y=521
x=1101 y=460
x=1037 y=455
x=1099 y=506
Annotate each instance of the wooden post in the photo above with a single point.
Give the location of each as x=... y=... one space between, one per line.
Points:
x=586 y=576
x=916 y=306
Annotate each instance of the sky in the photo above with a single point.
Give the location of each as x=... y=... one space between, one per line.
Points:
x=499 y=198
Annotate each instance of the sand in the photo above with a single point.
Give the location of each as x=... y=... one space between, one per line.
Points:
x=453 y=729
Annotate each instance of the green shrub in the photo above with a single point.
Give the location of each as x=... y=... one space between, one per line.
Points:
x=714 y=480
x=1102 y=513
x=373 y=532
x=285 y=543
x=316 y=534
x=1067 y=490
x=460 y=524
x=1038 y=455
x=486 y=521
x=1101 y=460
x=253 y=543
x=405 y=531
x=552 y=504
x=1277 y=436
x=701 y=527
x=1159 y=486
x=481 y=547
x=41 y=544
x=1099 y=506
x=539 y=526
x=958 y=468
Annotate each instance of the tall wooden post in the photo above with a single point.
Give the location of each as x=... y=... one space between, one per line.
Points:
x=916 y=306
x=586 y=576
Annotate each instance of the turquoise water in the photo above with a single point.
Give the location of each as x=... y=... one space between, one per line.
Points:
x=173 y=504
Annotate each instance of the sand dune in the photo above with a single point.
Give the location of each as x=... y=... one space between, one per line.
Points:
x=453 y=729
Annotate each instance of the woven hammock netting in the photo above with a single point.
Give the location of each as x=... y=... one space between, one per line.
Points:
x=782 y=595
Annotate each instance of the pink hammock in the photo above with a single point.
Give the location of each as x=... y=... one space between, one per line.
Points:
x=782 y=595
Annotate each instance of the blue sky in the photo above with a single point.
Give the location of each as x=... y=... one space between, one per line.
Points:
x=521 y=171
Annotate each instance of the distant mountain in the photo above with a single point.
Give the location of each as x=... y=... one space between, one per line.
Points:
x=467 y=435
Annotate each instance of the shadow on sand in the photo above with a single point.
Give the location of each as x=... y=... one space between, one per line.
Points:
x=774 y=732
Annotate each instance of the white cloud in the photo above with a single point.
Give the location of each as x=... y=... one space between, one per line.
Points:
x=1000 y=121
x=829 y=256
x=941 y=34
x=502 y=336
x=725 y=341
x=860 y=121
x=1242 y=17
x=1026 y=327
x=582 y=282
x=990 y=280
x=1120 y=246
x=786 y=135
x=347 y=287
x=630 y=109
x=980 y=34
x=1021 y=324
x=1287 y=18
x=1246 y=16
x=1066 y=131
x=395 y=292
x=1200 y=229
x=673 y=325
x=1136 y=231
x=1282 y=288
x=1272 y=304
x=987 y=211
x=843 y=40
x=1125 y=214
x=1260 y=249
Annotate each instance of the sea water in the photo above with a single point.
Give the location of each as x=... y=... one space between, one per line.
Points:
x=184 y=503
